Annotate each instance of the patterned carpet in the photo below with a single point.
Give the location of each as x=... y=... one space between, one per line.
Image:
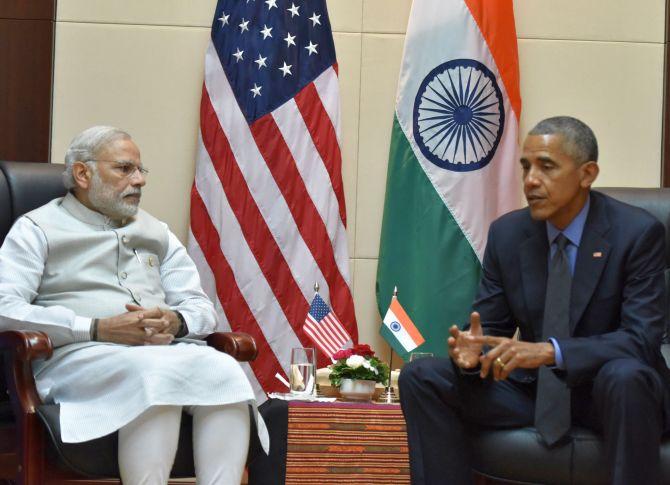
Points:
x=346 y=443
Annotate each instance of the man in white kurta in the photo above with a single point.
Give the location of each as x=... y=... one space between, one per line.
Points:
x=113 y=288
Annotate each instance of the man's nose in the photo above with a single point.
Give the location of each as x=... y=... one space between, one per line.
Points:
x=137 y=179
x=531 y=179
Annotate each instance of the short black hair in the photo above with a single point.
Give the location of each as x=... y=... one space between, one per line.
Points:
x=579 y=142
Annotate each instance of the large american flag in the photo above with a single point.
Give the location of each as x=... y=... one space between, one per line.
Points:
x=268 y=219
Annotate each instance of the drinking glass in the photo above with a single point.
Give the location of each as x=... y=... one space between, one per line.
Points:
x=419 y=355
x=302 y=375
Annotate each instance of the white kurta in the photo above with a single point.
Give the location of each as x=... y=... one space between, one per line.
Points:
x=102 y=386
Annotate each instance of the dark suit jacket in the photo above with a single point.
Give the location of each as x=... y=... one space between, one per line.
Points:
x=618 y=288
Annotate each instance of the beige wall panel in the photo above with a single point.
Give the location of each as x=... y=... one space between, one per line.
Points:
x=345 y=15
x=616 y=88
x=386 y=16
x=148 y=12
x=348 y=47
x=367 y=315
x=619 y=20
x=379 y=79
x=146 y=80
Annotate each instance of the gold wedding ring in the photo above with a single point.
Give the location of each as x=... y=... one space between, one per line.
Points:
x=500 y=363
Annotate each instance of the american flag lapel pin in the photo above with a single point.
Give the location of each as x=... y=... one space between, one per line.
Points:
x=598 y=254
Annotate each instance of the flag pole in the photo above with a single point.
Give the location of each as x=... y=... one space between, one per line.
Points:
x=317 y=389
x=389 y=395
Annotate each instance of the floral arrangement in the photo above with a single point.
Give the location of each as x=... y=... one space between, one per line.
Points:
x=358 y=362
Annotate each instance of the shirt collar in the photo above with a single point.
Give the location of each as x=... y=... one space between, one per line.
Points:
x=574 y=230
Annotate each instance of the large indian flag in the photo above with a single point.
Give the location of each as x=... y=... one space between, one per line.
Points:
x=453 y=162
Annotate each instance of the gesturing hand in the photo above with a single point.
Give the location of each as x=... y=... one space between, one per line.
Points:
x=463 y=349
x=509 y=354
x=138 y=327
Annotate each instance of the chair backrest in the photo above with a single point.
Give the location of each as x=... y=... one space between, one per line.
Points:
x=657 y=202
x=24 y=186
x=654 y=200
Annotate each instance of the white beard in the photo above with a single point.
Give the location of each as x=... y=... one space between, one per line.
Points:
x=108 y=202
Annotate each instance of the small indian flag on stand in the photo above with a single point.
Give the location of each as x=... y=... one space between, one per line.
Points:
x=399 y=330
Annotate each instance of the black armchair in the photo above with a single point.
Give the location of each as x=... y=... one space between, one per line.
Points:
x=519 y=456
x=31 y=452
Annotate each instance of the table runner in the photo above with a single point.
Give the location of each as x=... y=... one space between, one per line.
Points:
x=345 y=442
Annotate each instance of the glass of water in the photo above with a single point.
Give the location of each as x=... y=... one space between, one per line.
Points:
x=302 y=375
x=419 y=355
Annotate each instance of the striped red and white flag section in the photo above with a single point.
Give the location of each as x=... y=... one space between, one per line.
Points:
x=267 y=217
x=453 y=161
x=324 y=328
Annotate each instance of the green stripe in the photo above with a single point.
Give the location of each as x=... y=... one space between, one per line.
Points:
x=423 y=252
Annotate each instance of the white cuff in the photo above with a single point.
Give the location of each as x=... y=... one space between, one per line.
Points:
x=81 y=329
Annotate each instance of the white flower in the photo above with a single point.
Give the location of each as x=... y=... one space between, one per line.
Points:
x=355 y=361
x=369 y=366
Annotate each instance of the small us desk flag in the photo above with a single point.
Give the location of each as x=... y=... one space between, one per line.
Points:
x=453 y=161
x=324 y=328
x=399 y=330
x=267 y=204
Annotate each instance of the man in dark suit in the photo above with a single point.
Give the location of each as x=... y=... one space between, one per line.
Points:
x=582 y=278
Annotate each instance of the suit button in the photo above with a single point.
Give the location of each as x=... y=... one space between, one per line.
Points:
x=139 y=297
x=124 y=239
x=124 y=275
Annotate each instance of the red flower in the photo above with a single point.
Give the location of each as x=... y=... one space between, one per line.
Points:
x=342 y=354
x=363 y=350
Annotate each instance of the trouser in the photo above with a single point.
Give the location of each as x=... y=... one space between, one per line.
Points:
x=148 y=444
x=627 y=402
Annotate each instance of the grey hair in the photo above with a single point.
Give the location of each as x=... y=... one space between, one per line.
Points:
x=86 y=146
x=579 y=142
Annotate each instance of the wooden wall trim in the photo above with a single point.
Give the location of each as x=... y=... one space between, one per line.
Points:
x=26 y=78
x=665 y=145
x=28 y=9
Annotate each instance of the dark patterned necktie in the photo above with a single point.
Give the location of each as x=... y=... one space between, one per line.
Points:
x=552 y=406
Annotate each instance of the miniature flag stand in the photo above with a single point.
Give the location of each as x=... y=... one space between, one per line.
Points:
x=401 y=334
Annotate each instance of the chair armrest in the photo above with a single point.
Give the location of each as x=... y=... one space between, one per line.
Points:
x=20 y=349
x=242 y=346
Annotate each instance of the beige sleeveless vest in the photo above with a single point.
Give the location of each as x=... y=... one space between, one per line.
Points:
x=95 y=266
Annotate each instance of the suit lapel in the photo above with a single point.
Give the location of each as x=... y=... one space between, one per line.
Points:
x=591 y=259
x=533 y=256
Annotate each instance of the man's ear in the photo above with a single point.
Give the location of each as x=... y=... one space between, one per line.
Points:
x=589 y=173
x=81 y=173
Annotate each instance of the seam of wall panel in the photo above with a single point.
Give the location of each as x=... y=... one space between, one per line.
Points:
x=358 y=136
x=53 y=79
x=368 y=32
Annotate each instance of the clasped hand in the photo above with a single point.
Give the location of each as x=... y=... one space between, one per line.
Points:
x=139 y=326
x=505 y=354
